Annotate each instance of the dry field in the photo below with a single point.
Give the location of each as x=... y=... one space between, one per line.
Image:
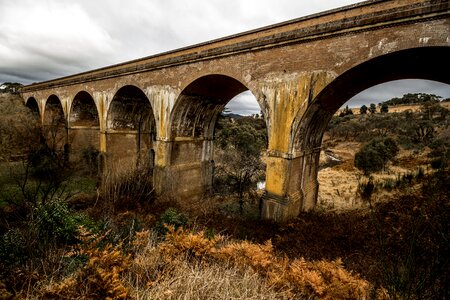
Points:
x=338 y=188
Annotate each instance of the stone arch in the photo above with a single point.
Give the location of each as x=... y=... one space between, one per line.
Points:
x=55 y=125
x=33 y=105
x=189 y=152
x=130 y=126
x=198 y=105
x=53 y=111
x=83 y=123
x=83 y=111
x=416 y=63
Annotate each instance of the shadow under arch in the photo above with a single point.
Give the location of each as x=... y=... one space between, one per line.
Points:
x=84 y=125
x=429 y=63
x=131 y=128
x=55 y=127
x=32 y=104
x=188 y=166
x=83 y=111
x=198 y=105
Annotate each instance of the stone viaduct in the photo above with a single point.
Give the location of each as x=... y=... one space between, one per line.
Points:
x=162 y=109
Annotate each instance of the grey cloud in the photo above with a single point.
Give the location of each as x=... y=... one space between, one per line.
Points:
x=49 y=39
x=244 y=104
x=66 y=37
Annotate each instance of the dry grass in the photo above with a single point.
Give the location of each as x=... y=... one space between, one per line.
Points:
x=338 y=188
x=188 y=265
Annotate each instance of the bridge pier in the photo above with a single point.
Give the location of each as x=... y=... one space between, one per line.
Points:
x=291 y=185
x=183 y=167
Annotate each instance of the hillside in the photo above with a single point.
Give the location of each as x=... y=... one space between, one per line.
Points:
x=412 y=102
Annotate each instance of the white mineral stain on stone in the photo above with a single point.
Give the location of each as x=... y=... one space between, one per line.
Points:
x=424 y=40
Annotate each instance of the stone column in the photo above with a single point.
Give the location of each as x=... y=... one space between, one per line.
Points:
x=309 y=182
x=281 y=200
x=100 y=102
x=291 y=175
x=291 y=184
x=183 y=168
x=161 y=176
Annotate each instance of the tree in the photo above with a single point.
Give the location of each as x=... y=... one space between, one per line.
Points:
x=19 y=128
x=374 y=156
x=363 y=110
x=384 y=108
x=368 y=160
x=382 y=125
x=422 y=131
x=347 y=111
x=372 y=108
x=239 y=166
x=418 y=98
x=440 y=151
x=430 y=110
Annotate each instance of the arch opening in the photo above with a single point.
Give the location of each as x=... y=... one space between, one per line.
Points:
x=417 y=63
x=33 y=106
x=84 y=130
x=219 y=141
x=241 y=140
x=54 y=113
x=84 y=111
x=200 y=103
x=131 y=128
x=55 y=125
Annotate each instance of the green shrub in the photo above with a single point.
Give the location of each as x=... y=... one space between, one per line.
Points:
x=56 y=222
x=368 y=160
x=171 y=217
x=12 y=248
x=374 y=156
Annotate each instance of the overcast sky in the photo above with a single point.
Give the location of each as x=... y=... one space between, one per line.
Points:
x=46 y=39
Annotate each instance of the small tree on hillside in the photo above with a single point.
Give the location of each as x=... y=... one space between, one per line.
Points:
x=374 y=156
x=382 y=125
x=384 y=108
x=347 y=111
x=239 y=166
x=363 y=110
x=372 y=108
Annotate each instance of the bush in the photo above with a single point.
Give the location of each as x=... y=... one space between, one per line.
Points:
x=440 y=152
x=55 y=221
x=125 y=191
x=366 y=190
x=374 y=156
x=368 y=160
x=12 y=248
x=171 y=217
